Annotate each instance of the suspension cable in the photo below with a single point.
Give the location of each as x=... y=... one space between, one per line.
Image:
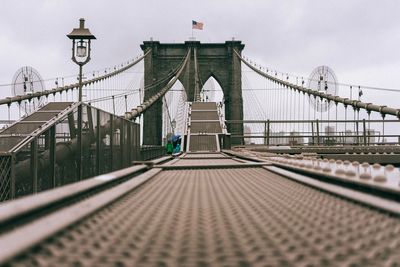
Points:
x=134 y=113
x=337 y=99
x=20 y=98
x=334 y=83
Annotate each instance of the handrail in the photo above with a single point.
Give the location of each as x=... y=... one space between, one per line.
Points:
x=310 y=121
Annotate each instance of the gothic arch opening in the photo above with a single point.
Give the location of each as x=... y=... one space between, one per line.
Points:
x=212 y=91
x=173 y=111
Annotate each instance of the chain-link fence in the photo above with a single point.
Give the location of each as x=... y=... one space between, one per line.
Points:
x=55 y=151
x=5 y=177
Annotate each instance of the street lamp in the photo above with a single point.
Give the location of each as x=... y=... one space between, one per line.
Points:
x=81 y=48
x=80 y=55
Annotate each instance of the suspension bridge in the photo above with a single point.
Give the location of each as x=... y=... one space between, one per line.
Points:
x=273 y=169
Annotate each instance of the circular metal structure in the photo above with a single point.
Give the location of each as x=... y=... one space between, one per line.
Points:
x=27 y=81
x=322 y=79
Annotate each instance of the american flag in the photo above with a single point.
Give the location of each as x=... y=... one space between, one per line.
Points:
x=197 y=25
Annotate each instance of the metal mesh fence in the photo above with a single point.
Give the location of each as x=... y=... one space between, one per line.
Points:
x=5 y=177
x=51 y=157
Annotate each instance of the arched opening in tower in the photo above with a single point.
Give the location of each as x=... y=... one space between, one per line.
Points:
x=174 y=112
x=211 y=91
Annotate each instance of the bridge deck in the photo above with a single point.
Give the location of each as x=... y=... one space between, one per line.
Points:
x=205 y=125
x=222 y=217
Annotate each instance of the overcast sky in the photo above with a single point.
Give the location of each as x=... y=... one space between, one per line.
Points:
x=358 y=39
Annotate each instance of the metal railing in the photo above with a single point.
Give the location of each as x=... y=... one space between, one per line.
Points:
x=319 y=132
x=151 y=152
x=49 y=157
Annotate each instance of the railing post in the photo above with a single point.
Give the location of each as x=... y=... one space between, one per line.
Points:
x=317 y=125
x=364 y=133
x=71 y=124
x=343 y=138
x=358 y=133
x=134 y=154
x=268 y=127
x=98 y=143
x=79 y=150
x=122 y=143
x=90 y=122
x=34 y=165
x=265 y=133
x=111 y=142
x=137 y=141
x=52 y=170
x=12 y=174
x=312 y=133
x=129 y=144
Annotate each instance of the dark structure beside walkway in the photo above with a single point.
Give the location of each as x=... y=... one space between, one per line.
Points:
x=41 y=152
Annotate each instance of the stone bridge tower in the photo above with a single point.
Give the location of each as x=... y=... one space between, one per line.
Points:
x=216 y=60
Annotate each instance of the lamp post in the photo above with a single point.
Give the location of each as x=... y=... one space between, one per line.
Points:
x=81 y=38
